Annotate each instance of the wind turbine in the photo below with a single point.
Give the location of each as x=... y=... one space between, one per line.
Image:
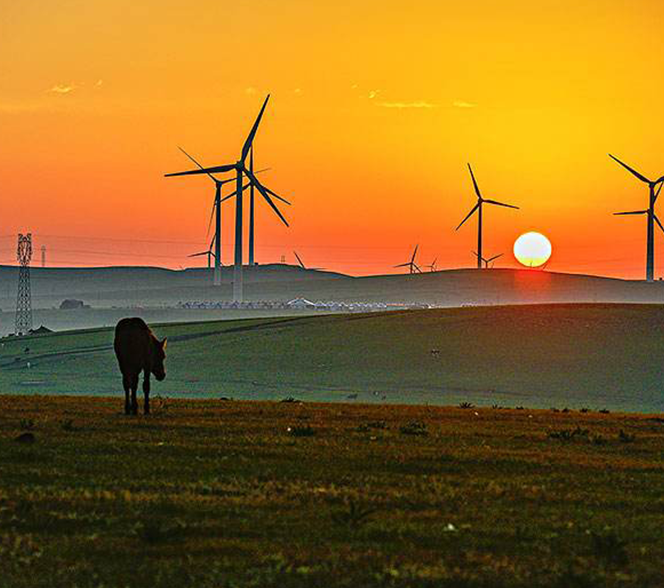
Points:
x=411 y=265
x=651 y=216
x=478 y=207
x=240 y=169
x=210 y=254
x=432 y=265
x=250 y=185
x=303 y=266
x=491 y=260
x=216 y=207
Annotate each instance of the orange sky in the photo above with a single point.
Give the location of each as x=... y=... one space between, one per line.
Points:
x=376 y=108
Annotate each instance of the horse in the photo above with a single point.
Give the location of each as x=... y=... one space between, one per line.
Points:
x=138 y=350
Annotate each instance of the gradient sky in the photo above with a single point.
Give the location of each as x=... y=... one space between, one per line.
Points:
x=376 y=108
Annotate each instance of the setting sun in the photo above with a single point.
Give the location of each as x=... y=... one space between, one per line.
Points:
x=532 y=249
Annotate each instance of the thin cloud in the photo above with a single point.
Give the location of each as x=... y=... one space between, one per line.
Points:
x=61 y=89
x=463 y=104
x=373 y=94
x=250 y=91
x=401 y=105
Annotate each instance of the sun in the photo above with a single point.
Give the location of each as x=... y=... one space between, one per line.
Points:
x=532 y=249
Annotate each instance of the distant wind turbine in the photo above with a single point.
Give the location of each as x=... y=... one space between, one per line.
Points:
x=216 y=207
x=486 y=262
x=299 y=261
x=432 y=265
x=651 y=216
x=478 y=207
x=210 y=253
x=411 y=265
x=241 y=169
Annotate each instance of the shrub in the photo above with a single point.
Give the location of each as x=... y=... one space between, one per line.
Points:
x=609 y=548
x=598 y=440
x=366 y=427
x=568 y=434
x=626 y=437
x=27 y=425
x=68 y=425
x=301 y=431
x=353 y=514
x=414 y=428
x=152 y=531
x=466 y=405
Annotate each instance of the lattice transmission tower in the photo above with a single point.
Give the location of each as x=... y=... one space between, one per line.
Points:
x=24 y=298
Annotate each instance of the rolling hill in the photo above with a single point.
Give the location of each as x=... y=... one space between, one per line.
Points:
x=593 y=355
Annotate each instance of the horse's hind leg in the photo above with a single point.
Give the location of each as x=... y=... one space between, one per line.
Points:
x=126 y=384
x=134 y=388
x=146 y=391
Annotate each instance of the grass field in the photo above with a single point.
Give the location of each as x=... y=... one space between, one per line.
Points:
x=229 y=494
x=595 y=356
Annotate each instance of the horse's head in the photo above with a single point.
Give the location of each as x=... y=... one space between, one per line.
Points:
x=158 y=357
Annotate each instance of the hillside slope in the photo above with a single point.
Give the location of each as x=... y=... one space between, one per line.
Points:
x=538 y=356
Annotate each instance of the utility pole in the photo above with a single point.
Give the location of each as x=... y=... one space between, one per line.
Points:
x=24 y=297
x=43 y=255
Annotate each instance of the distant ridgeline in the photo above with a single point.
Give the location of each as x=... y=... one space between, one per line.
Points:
x=148 y=286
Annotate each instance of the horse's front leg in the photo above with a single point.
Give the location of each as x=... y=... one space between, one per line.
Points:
x=146 y=391
x=126 y=384
x=134 y=388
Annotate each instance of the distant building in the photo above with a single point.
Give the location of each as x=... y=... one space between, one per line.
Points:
x=72 y=304
x=300 y=304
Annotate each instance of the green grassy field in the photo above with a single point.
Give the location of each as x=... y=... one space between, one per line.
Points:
x=230 y=494
x=598 y=356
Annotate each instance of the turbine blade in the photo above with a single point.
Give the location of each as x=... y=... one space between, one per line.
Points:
x=403 y=265
x=251 y=174
x=631 y=212
x=659 y=189
x=494 y=257
x=218 y=169
x=630 y=170
x=477 y=189
x=276 y=195
x=190 y=157
x=412 y=259
x=659 y=224
x=265 y=195
x=252 y=133
x=299 y=260
x=214 y=206
x=234 y=192
x=198 y=254
x=501 y=204
x=468 y=216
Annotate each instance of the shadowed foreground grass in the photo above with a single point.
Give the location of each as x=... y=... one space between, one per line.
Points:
x=221 y=494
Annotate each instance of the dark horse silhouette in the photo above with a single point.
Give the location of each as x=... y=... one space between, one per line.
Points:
x=138 y=350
